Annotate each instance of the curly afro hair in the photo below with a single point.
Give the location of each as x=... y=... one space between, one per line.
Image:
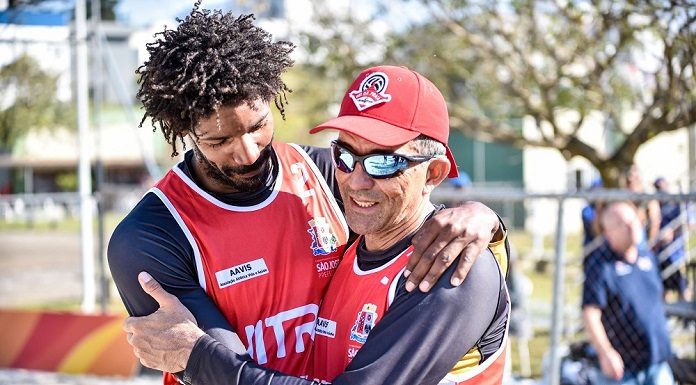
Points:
x=211 y=60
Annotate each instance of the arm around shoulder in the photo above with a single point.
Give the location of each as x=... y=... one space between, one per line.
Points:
x=423 y=335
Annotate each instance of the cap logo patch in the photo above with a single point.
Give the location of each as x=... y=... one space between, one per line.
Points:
x=372 y=91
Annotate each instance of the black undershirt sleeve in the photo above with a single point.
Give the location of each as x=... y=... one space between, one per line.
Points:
x=420 y=338
x=149 y=239
x=212 y=363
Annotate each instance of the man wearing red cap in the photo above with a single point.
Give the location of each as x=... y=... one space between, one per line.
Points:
x=390 y=154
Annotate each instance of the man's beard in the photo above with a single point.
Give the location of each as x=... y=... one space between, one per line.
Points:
x=231 y=176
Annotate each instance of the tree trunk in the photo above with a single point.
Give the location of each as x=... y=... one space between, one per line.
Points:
x=610 y=171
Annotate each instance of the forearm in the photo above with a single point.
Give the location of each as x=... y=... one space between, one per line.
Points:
x=592 y=318
x=211 y=363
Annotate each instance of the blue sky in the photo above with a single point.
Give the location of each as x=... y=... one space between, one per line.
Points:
x=139 y=12
x=143 y=12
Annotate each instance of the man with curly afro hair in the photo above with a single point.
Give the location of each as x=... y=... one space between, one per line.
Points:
x=195 y=73
x=247 y=232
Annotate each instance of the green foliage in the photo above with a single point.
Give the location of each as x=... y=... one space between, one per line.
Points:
x=312 y=93
x=67 y=181
x=33 y=102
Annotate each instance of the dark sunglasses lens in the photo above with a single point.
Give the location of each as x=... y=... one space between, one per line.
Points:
x=384 y=165
x=343 y=159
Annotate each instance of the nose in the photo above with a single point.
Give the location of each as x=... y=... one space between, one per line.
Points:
x=246 y=152
x=359 y=180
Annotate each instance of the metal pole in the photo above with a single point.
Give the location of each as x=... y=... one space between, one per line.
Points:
x=558 y=294
x=98 y=85
x=479 y=161
x=84 y=168
x=691 y=132
x=28 y=180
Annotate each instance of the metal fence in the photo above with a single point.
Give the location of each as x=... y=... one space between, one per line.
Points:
x=40 y=241
x=552 y=245
x=57 y=207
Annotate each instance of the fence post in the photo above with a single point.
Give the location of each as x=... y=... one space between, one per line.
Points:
x=558 y=293
x=84 y=169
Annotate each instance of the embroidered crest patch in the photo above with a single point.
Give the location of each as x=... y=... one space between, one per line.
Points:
x=373 y=91
x=364 y=323
x=324 y=241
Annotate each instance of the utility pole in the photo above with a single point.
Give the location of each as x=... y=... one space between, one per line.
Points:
x=84 y=162
x=98 y=99
x=692 y=157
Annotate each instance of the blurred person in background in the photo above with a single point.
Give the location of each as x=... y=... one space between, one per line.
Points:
x=461 y=184
x=247 y=232
x=589 y=216
x=520 y=288
x=622 y=305
x=648 y=211
x=670 y=247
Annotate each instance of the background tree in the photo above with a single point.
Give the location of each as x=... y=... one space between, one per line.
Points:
x=334 y=46
x=30 y=96
x=555 y=61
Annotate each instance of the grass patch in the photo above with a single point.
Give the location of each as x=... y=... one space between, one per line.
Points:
x=537 y=347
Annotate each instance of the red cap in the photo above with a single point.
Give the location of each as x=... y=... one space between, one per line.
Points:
x=390 y=106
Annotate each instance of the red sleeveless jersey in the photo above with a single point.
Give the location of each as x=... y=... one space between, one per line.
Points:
x=267 y=266
x=351 y=309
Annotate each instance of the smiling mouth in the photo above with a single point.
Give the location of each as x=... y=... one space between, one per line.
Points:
x=363 y=204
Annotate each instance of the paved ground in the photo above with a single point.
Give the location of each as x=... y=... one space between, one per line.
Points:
x=26 y=377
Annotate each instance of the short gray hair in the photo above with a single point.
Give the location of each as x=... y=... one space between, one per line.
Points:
x=428 y=146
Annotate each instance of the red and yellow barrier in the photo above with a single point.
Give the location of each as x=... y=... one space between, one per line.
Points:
x=65 y=342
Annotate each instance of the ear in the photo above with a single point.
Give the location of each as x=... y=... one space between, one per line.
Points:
x=438 y=168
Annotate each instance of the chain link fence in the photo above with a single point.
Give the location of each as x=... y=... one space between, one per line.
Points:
x=556 y=268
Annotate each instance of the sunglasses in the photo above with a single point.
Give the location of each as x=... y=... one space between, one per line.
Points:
x=377 y=166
